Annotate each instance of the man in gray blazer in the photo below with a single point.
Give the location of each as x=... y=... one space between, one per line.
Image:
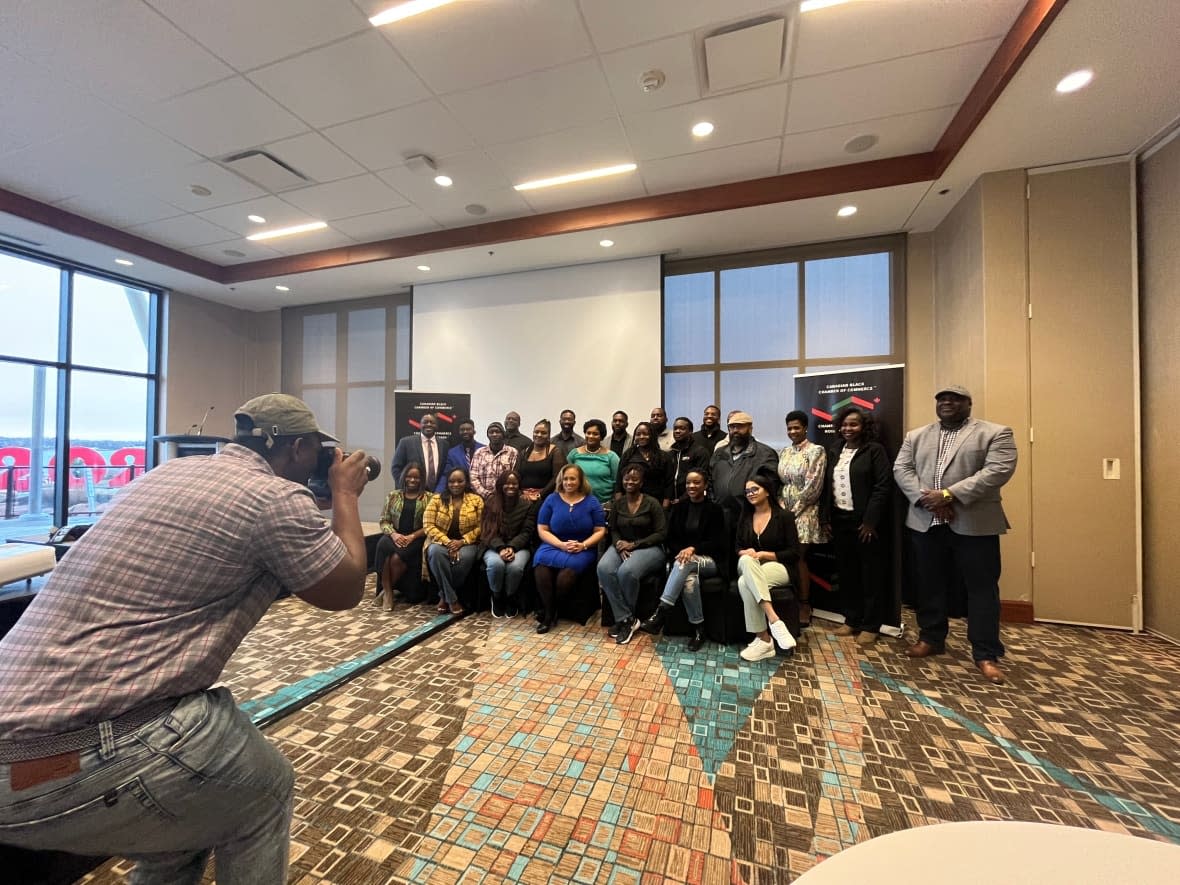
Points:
x=952 y=472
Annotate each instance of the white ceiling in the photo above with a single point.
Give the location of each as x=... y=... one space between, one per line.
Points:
x=113 y=109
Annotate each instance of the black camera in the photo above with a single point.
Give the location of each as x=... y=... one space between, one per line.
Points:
x=318 y=482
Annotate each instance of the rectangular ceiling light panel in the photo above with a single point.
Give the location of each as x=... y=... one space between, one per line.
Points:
x=744 y=56
x=265 y=170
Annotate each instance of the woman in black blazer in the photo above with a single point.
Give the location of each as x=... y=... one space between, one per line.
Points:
x=855 y=504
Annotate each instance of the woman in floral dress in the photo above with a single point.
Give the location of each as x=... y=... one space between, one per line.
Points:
x=801 y=467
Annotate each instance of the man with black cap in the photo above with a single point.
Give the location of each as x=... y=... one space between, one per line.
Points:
x=491 y=461
x=734 y=463
x=952 y=472
x=111 y=739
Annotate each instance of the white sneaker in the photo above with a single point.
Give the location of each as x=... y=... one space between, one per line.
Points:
x=758 y=650
x=782 y=635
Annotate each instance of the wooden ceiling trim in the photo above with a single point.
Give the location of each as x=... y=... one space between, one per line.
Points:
x=828 y=181
x=1030 y=26
x=95 y=231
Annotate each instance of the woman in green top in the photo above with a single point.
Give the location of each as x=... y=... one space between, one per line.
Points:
x=398 y=557
x=597 y=461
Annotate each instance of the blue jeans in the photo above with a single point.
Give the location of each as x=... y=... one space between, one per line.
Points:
x=199 y=779
x=449 y=575
x=620 y=577
x=505 y=577
x=686 y=578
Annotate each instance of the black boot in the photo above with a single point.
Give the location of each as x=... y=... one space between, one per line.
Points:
x=655 y=623
x=698 y=637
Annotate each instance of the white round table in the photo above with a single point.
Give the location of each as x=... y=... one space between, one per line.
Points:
x=1001 y=853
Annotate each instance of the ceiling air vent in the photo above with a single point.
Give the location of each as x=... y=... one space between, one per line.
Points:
x=265 y=170
x=744 y=54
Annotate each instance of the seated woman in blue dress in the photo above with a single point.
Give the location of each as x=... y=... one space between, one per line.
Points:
x=570 y=524
x=637 y=532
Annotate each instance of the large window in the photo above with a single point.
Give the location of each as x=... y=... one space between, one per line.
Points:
x=78 y=370
x=345 y=359
x=738 y=328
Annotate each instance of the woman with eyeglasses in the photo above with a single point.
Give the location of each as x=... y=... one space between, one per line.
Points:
x=452 y=522
x=539 y=464
x=860 y=483
x=637 y=530
x=768 y=555
x=570 y=524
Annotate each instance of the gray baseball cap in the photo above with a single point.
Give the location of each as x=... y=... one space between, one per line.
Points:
x=956 y=389
x=280 y=414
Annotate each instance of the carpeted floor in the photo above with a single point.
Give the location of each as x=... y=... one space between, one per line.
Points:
x=485 y=753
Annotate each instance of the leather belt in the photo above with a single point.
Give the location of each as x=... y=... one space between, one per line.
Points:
x=82 y=738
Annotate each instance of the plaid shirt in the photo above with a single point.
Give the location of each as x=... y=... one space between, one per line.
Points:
x=487 y=467
x=153 y=600
x=946 y=442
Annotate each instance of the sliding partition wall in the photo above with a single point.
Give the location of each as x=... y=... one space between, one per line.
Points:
x=78 y=371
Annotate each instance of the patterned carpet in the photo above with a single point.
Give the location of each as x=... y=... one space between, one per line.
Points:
x=485 y=753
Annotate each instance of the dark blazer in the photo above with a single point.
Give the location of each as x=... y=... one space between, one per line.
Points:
x=779 y=536
x=871 y=479
x=656 y=476
x=694 y=457
x=409 y=450
x=710 y=538
x=456 y=457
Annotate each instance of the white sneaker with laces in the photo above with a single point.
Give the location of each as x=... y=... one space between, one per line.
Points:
x=782 y=635
x=758 y=650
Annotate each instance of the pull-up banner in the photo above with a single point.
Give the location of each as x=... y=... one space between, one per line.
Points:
x=409 y=407
x=876 y=390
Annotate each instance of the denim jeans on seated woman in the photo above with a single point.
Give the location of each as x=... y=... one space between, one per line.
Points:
x=687 y=578
x=198 y=779
x=620 y=577
x=505 y=577
x=450 y=574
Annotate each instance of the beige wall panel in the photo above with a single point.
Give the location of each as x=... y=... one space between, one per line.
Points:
x=1159 y=181
x=1082 y=388
x=1004 y=398
x=958 y=299
x=919 y=330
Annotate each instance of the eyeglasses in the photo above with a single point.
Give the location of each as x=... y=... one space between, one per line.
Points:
x=754 y=490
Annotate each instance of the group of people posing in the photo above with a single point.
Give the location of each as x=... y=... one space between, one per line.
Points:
x=679 y=505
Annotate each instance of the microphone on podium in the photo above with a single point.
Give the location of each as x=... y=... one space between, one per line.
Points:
x=204 y=418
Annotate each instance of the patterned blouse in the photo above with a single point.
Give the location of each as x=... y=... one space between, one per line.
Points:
x=801 y=468
x=392 y=514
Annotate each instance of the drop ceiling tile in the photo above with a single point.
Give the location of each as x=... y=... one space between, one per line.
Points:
x=345 y=198
x=739 y=117
x=900 y=135
x=901 y=86
x=617 y=23
x=756 y=159
x=175 y=187
x=119 y=206
x=504 y=203
x=312 y=241
x=534 y=104
x=863 y=33
x=559 y=153
x=384 y=225
x=353 y=78
x=117 y=150
x=586 y=193
x=276 y=212
x=453 y=48
x=257 y=32
x=36 y=106
x=676 y=57
x=385 y=140
x=224 y=118
x=216 y=252
x=182 y=232
x=472 y=172
x=121 y=48
x=315 y=157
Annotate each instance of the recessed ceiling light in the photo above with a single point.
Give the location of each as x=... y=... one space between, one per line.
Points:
x=443 y=180
x=606 y=244
x=813 y=5
x=846 y=211
x=423 y=267
x=703 y=128
x=124 y=262
x=283 y=288
x=399 y=11
x=287 y=231
x=199 y=190
x=576 y=176
x=1075 y=81
x=257 y=219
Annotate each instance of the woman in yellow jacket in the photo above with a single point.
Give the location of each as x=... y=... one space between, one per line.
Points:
x=452 y=532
